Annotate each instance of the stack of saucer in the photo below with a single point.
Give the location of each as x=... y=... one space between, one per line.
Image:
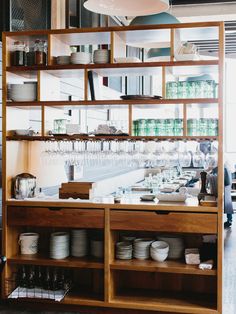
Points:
x=97 y=248
x=142 y=248
x=124 y=250
x=23 y=92
x=79 y=243
x=80 y=58
x=63 y=60
x=176 y=246
x=59 y=245
x=101 y=56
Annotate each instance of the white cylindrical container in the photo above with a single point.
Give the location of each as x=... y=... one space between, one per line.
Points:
x=29 y=243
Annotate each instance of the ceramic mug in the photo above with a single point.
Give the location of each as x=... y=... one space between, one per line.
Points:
x=29 y=243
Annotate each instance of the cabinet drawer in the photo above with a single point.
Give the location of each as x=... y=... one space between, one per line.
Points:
x=165 y=222
x=55 y=217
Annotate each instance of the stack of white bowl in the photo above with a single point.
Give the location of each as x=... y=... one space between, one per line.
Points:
x=79 y=243
x=176 y=246
x=142 y=248
x=81 y=58
x=63 y=60
x=159 y=251
x=23 y=92
x=59 y=245
x=101 y=56
x=124 y=250
x=97 y=248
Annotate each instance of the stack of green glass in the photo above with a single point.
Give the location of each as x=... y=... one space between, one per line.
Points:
x=202 y=127
x=191 y=89
x=158 y=127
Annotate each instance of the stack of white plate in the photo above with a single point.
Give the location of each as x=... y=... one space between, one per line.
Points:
x=23 y=92
x=81 y=58
x=63 y=60
x=97 y=248
x=124 y=250
x=79 y=243
x=176 y=246
x=142 y=248
x=101 y=56
x=159 y=251
x=59 y=245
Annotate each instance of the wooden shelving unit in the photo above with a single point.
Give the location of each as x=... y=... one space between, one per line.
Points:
x=171 y=286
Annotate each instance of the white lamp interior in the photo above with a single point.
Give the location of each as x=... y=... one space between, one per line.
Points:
x=127 y=8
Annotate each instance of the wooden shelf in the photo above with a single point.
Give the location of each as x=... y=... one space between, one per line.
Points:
x=174 y=267
x=71 y=262
x=97 y=103
x=109 y=138
x=166 y=302
x=191 y=205
x=111 y=65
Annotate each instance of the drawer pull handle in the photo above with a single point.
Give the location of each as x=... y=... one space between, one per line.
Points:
x=55 y=208
x=160 y=212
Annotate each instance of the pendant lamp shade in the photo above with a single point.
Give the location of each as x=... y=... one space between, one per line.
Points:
x=157 y=38
x=155 y=19
x=127 y=7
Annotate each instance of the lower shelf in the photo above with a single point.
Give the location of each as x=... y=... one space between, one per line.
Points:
x=166 y=302
x=71 y=262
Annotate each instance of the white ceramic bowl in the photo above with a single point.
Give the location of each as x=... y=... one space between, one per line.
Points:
x=160 y=247
x=159 y=257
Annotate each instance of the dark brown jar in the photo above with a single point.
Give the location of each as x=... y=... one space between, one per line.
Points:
x=19 y=54
x=40 y=52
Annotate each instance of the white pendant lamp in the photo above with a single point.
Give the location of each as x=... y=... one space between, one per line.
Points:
x=127 y=7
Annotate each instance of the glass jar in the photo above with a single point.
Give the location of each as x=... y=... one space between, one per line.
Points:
x=142 y=127
x=19 y=53
x=40 y=52
x=212 y=127
x=160 y=127
x=193 y=127
x=169 y=127
x=60 y=126
x=178 y=127
x=203 y=127
x=150 y=129
x=171 y=90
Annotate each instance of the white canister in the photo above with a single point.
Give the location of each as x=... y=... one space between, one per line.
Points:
x=29 y=243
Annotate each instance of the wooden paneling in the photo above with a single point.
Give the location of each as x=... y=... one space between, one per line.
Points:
x=56 y=217
x=164 y=222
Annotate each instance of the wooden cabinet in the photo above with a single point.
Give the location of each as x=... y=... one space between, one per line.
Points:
x=169 y=287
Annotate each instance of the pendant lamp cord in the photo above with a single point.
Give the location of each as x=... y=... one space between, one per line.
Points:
x=171 y=6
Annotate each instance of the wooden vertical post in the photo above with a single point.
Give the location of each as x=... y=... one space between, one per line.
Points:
x=220 y=239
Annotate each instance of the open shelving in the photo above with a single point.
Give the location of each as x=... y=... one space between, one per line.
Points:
x=122 y=284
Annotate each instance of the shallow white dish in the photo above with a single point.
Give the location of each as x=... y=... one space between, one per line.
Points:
x=171 y=197
x=187 y=57
x=127 y=60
